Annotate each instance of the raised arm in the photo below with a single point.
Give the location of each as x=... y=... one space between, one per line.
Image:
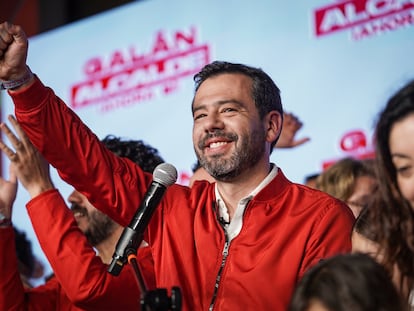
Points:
x=13 y=294
x=26 y=162
x=64 y=244
x=11 y=287
x=14 y=72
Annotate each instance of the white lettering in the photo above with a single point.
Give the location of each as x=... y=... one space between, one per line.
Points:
x=352 y=15
x=378 y=7
x=87 y=92
x=333 y=18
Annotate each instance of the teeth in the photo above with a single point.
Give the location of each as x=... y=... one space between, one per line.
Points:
x=218 y=144
x=78 y=214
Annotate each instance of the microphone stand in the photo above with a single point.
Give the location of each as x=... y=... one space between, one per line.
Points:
x=128 y=244
x=153 y=300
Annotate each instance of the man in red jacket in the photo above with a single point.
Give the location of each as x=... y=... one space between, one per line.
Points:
x=241 y=243
x=81 y=281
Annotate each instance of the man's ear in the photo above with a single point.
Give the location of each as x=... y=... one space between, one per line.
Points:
x=273 y=125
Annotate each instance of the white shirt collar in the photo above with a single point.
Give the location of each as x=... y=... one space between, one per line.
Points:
x=234 y=226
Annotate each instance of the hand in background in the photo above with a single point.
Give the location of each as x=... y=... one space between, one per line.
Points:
x=8 y=191
x=28 y=164
x=291 y=125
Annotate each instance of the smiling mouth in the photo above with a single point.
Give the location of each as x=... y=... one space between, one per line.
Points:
x=78 y=211
x=78 y=214
x=217 y=144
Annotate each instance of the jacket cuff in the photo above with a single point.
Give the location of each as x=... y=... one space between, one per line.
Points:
x=26 y=98
x=41 y=197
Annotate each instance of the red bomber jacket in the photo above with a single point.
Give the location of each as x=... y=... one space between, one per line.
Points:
x=287 y=227
x=81 y=280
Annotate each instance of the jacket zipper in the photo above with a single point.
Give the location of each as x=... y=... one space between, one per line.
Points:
x=223 y=262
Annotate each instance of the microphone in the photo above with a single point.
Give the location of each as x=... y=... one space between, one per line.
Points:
x=164 y=176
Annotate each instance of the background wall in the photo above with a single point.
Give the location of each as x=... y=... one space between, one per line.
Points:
x=37 y=16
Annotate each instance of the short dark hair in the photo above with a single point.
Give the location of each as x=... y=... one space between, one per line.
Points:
x=265 y=92
x=311 y=177
x=347 y=282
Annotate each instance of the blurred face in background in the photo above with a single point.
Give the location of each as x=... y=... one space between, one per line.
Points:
x=96 y=226
x=364 y=187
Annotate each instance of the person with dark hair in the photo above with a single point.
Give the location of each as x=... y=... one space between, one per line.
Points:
x=239 y=243
x=101 y=231
x=81 y=281
x=310 y=180
x=29 y=266
x=137 y=151
x=394 y=217
x=365 y=239
x=24 y=255
x=346 y=282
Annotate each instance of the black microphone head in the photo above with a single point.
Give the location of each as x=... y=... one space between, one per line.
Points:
x=165 y=174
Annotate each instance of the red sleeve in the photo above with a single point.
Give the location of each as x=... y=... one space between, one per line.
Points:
x=12 y=294
x=78 y=155
x=11 y=288
x=82 y=274
x=331 y=234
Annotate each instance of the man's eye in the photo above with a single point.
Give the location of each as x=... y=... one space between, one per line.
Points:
x=199 y=116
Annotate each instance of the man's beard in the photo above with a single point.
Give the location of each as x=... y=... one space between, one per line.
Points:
x=99 y=227
x=247 y=154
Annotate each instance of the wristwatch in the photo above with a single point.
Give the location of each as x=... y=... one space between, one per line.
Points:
x=8 y=85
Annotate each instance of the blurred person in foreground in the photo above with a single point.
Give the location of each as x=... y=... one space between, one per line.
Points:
x=346 y=282
x=365 y=240
x=30 y=267
x=81 y=281
x=393 y=218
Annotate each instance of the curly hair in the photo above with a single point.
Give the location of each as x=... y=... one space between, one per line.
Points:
x=137 y=151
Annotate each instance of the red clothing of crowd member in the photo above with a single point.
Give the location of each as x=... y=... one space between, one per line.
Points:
x=287 y=228
x=81 y=281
